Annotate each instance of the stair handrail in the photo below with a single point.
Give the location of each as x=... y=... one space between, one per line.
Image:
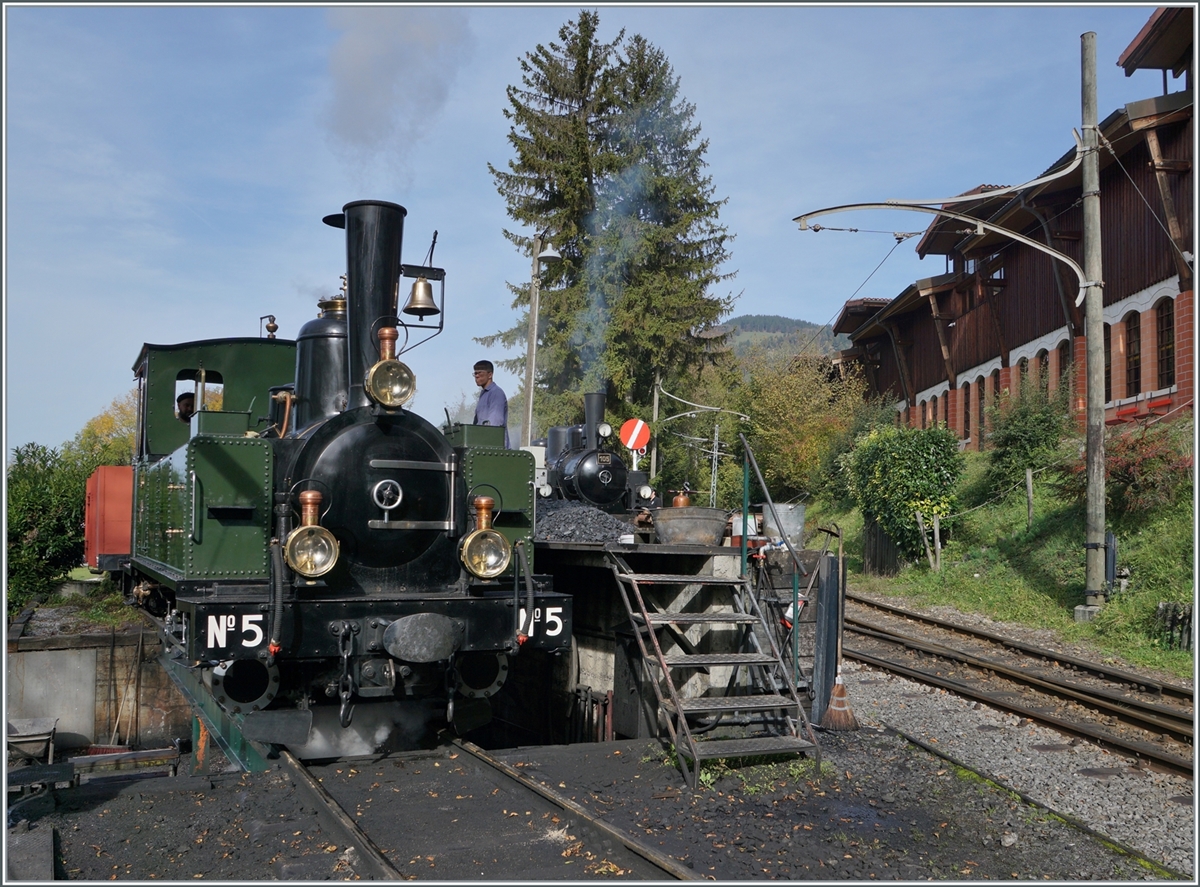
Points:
x=770 y=504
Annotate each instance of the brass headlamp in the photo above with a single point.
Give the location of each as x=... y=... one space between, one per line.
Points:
x=389 y=382
x=485 y=552
x=310 y=549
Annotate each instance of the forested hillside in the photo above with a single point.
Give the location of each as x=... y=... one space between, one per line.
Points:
x=773 y=332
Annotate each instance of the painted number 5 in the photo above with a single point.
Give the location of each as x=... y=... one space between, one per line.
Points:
x=219 y=626
x=554 y=623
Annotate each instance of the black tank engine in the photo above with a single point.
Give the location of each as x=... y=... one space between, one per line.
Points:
x=581 y=465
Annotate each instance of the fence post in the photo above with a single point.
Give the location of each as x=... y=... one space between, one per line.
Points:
x=925 y=539
x=937 y=542
x=1029 y=498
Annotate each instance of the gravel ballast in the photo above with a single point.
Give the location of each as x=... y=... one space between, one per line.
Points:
x=1150 y=811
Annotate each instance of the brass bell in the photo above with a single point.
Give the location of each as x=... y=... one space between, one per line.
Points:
x=420 y=300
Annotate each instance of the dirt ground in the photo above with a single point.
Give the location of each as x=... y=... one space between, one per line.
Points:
x=881 y=809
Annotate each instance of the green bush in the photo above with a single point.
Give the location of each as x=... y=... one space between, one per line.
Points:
x=46 y=492
x=895 y=472
x=1027 y=431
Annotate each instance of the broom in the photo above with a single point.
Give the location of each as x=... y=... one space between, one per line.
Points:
x=837 y=715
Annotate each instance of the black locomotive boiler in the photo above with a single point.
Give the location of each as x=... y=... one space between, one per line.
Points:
x=331 y=572
x=580 y=464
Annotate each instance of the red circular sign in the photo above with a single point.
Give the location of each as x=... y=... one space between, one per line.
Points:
x=635 y=434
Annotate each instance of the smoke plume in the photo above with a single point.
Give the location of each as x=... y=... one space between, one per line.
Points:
x=391 y=69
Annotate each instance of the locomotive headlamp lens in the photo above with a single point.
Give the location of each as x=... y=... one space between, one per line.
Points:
x=311 y=551
x=604 y=430
x=644 y=492
x=486 y=553
x=391 y=383
x=545 y=491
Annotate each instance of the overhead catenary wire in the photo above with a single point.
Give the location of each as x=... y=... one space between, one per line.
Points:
x=900 y=236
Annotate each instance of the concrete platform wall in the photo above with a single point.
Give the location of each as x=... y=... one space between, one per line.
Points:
x=87 y=681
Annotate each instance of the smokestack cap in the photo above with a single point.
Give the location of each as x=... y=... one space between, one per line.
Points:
x=338 y=220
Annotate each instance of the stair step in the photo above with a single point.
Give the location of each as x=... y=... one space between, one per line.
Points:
x=736 y=748
x=720 y=617
x=694 y=660
x=680 y=579
x=714 y=704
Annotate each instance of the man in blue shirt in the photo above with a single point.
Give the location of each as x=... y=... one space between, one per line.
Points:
x=492 y=408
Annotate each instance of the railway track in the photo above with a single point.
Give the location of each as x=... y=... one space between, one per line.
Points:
x=479 y=817
x=1148 y=719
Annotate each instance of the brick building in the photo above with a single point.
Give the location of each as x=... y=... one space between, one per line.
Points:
x=947 y=346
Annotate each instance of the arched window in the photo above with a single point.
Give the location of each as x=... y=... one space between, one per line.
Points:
x=966 y=399
x=980 y=399
x=1107 y=363
x=1164 y=318
x=1064 y=360
x=1042 y=358
x=995 y=385
x=1133 y=353
x=924 y=413
x=933 y=413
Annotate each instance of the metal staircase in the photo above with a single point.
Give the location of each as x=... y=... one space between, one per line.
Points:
x=768 y=712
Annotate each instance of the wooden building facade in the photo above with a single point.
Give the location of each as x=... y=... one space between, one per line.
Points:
x=948 y=346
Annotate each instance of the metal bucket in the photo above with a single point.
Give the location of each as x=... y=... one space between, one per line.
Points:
x=690 y=525
x=792 y=518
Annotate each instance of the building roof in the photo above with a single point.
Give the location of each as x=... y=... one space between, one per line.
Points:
x=855 y=312
x=1164 y=43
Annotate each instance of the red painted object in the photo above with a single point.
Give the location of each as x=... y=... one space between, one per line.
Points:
x=108 y=514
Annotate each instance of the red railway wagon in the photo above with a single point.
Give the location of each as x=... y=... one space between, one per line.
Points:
x=108 y=516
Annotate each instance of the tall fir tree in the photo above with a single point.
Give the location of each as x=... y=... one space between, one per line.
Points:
x=557 y=116
x=609 y=161
x=662 y=243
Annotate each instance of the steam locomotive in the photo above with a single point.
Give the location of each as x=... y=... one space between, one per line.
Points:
x=317 y=555
x=579 y=463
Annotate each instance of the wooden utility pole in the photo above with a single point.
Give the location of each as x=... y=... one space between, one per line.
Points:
x=1093 y=330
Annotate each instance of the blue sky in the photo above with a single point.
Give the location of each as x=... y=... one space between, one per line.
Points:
x=167 y=168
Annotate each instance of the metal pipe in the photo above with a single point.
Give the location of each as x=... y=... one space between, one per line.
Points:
x=771 y=505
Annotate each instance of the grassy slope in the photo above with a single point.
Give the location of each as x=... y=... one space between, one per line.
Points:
x=993 y=564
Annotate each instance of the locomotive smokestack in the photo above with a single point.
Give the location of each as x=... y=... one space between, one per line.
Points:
x=374 y=235
x=593 y=415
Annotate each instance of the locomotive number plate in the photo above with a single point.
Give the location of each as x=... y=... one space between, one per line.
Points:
x=224 y=631
x=604 y=458
x=550 y=616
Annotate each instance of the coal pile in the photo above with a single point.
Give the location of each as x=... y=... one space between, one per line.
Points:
x=560 y=520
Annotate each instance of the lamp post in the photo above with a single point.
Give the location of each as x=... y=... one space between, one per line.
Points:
x=548 y=255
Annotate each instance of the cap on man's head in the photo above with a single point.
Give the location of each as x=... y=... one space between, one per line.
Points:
x=187 y=394
x=485 y=365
